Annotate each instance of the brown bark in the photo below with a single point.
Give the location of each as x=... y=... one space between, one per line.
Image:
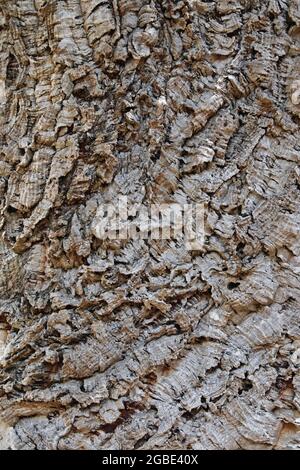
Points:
x=143 y=343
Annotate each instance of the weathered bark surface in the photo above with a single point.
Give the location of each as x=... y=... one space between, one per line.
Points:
x=144 y=344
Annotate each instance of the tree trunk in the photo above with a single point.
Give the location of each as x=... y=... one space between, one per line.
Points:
x=136 y=342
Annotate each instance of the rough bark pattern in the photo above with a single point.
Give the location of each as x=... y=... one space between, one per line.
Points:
x=144 y=344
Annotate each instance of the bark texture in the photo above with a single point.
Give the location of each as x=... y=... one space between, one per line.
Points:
x=141 y=343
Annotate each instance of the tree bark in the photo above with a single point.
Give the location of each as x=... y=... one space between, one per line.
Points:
x=142 y=343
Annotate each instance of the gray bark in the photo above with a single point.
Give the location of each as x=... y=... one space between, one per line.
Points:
x=143 y=343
